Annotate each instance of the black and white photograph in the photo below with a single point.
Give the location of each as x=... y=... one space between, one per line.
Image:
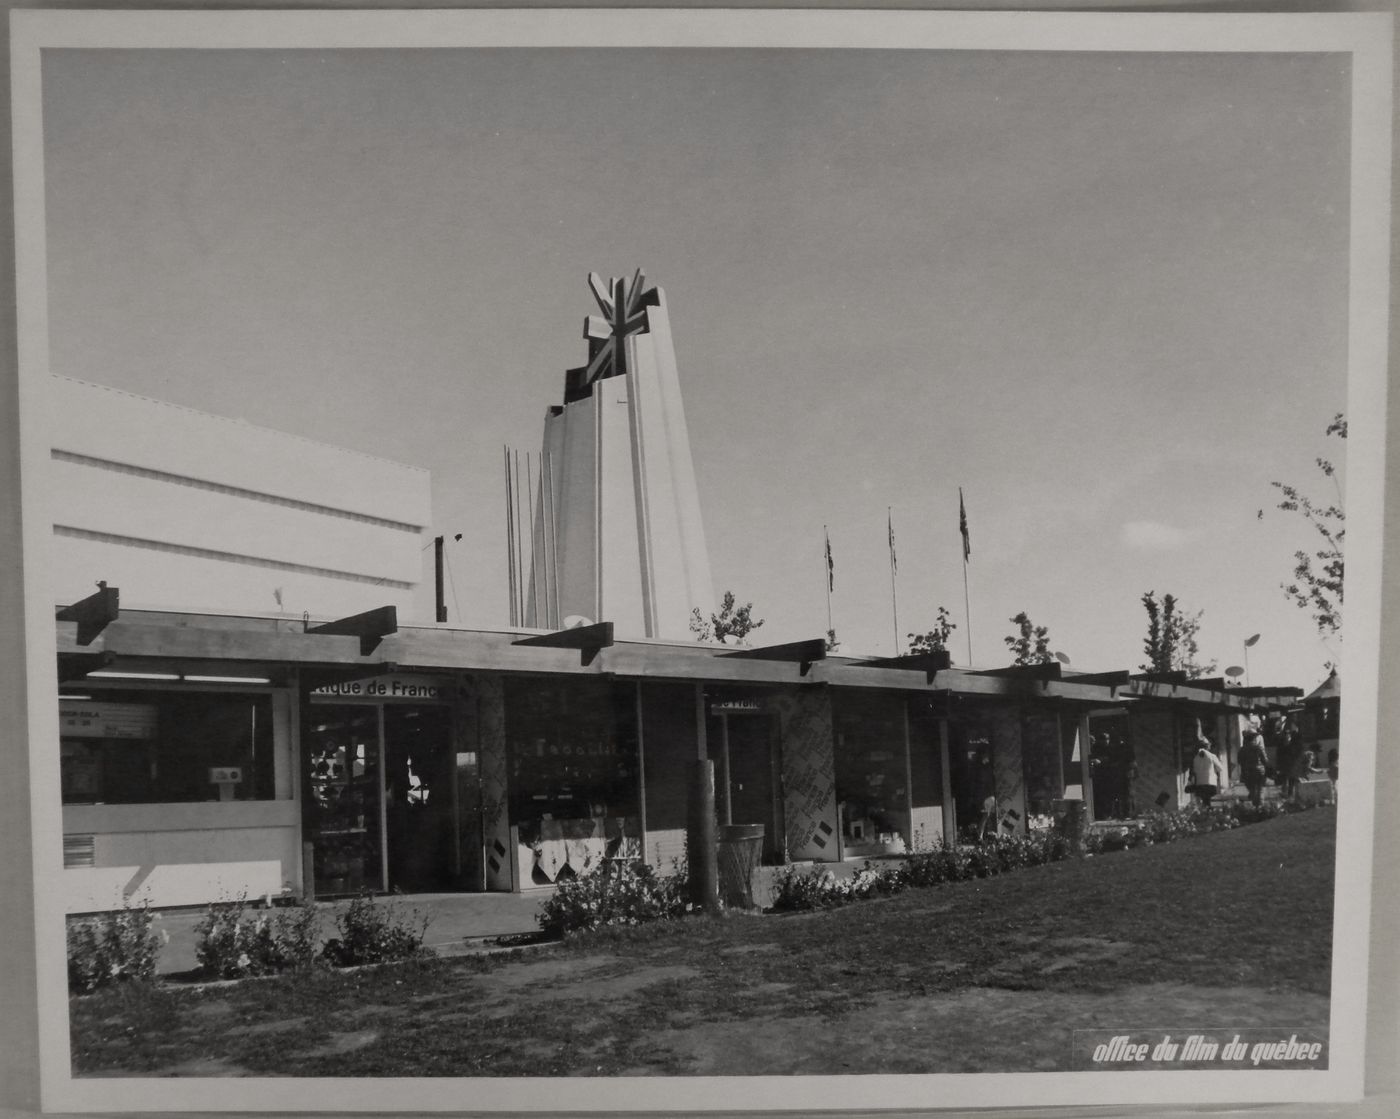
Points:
x=679 y=560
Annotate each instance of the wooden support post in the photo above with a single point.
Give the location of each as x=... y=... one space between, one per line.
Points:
x=907 y=808
x=700 y=850
x=950 y=801
x=1086 y=769
x=701 y=855
x=727 y=799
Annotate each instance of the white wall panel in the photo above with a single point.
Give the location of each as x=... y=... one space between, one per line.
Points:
x=107 y=501
x=157 y=580
x=108 y=424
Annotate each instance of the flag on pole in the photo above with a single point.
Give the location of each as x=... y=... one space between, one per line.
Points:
x=894 y=563
x=830 y=567
x=962 y=526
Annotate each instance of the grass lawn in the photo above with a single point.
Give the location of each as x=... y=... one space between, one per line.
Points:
x=1228 y=930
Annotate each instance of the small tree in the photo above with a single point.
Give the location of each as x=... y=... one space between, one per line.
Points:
x=730 y=626
x=936 y=639
x=1031 y=643
x=1318 y=575
x=1172 y=642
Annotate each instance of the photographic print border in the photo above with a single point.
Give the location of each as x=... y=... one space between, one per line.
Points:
x=1366 y=36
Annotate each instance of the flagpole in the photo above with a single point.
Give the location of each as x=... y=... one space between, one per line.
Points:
x=966 y=551
x=894 y=596
x=967 y=613
x=826 y=536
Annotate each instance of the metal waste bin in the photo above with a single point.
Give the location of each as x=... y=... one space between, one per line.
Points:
x=1071 y=821
x=740 y=847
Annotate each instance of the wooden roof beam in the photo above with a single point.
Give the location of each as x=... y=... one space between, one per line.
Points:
x=588 y=640
x=371 y=627
x=93 y=614
x=930 y=663
x=803 y=653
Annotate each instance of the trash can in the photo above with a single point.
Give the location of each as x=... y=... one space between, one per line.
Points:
x=1072 y=822
x=740 y=846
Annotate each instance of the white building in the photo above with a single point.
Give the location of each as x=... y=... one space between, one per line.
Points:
x=186 y=510
x=180 y=775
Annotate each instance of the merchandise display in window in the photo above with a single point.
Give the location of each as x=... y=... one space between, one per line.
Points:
x=123 y=747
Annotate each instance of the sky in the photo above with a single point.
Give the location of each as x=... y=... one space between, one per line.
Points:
x=1104 y=294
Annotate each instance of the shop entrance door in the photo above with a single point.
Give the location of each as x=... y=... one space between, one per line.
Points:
x=755 y=791
x=431 y=803
x=341 y=808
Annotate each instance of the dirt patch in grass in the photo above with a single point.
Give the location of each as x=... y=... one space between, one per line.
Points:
x=549 y=970
x=342 y=1043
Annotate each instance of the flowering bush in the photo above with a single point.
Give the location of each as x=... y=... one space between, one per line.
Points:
x=373 y=932
x=626 y=894
x=816 y=888
x=231 y=942
x=1246 y=813
x=113 y=947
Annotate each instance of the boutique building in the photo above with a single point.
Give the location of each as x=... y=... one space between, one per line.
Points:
x=210 y=755
x=247 y=706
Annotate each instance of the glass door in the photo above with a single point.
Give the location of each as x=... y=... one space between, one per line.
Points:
x=422 y=800
x=341 y=798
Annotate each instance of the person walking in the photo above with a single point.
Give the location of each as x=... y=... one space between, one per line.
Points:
x=1254 y=765
x=1290 y=758
x=1206 y=770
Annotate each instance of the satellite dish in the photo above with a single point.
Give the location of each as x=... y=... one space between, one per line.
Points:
x=1250 y=640
x=1062 y=658
x=1234 y=671
x=573 y=621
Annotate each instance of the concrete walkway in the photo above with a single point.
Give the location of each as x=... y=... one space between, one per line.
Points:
x=460 y=923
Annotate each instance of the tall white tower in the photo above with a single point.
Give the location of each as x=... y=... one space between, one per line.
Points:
x=616 y=533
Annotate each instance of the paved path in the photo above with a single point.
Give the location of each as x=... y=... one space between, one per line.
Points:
x=460 y=923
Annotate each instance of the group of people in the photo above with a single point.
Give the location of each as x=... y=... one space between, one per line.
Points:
x=1293 y=761
x=1114 y=768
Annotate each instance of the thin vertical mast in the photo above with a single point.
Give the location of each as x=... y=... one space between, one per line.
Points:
x=894 y=567
x=510 y=540
x=830 y=628
x=535 y=565
x=519 y=546
x=552 y=562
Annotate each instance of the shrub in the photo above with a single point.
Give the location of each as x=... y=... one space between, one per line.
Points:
x=374 y=932
x=1246 y=813
x=943 y=864
x=232 y=943
x=113 y=947
x=628 y=894
x=815 y=888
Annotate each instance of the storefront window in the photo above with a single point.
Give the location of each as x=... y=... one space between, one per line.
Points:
x=1042 y=764
x=871 y=767
x=573 y=752
x=166 y=747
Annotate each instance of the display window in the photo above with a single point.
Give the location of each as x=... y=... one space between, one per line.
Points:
x=573 y=754
x=872 y=771
x=1042 y=764
x=121 y=747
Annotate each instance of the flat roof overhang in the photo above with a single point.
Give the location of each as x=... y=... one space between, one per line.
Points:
x=190 y=644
